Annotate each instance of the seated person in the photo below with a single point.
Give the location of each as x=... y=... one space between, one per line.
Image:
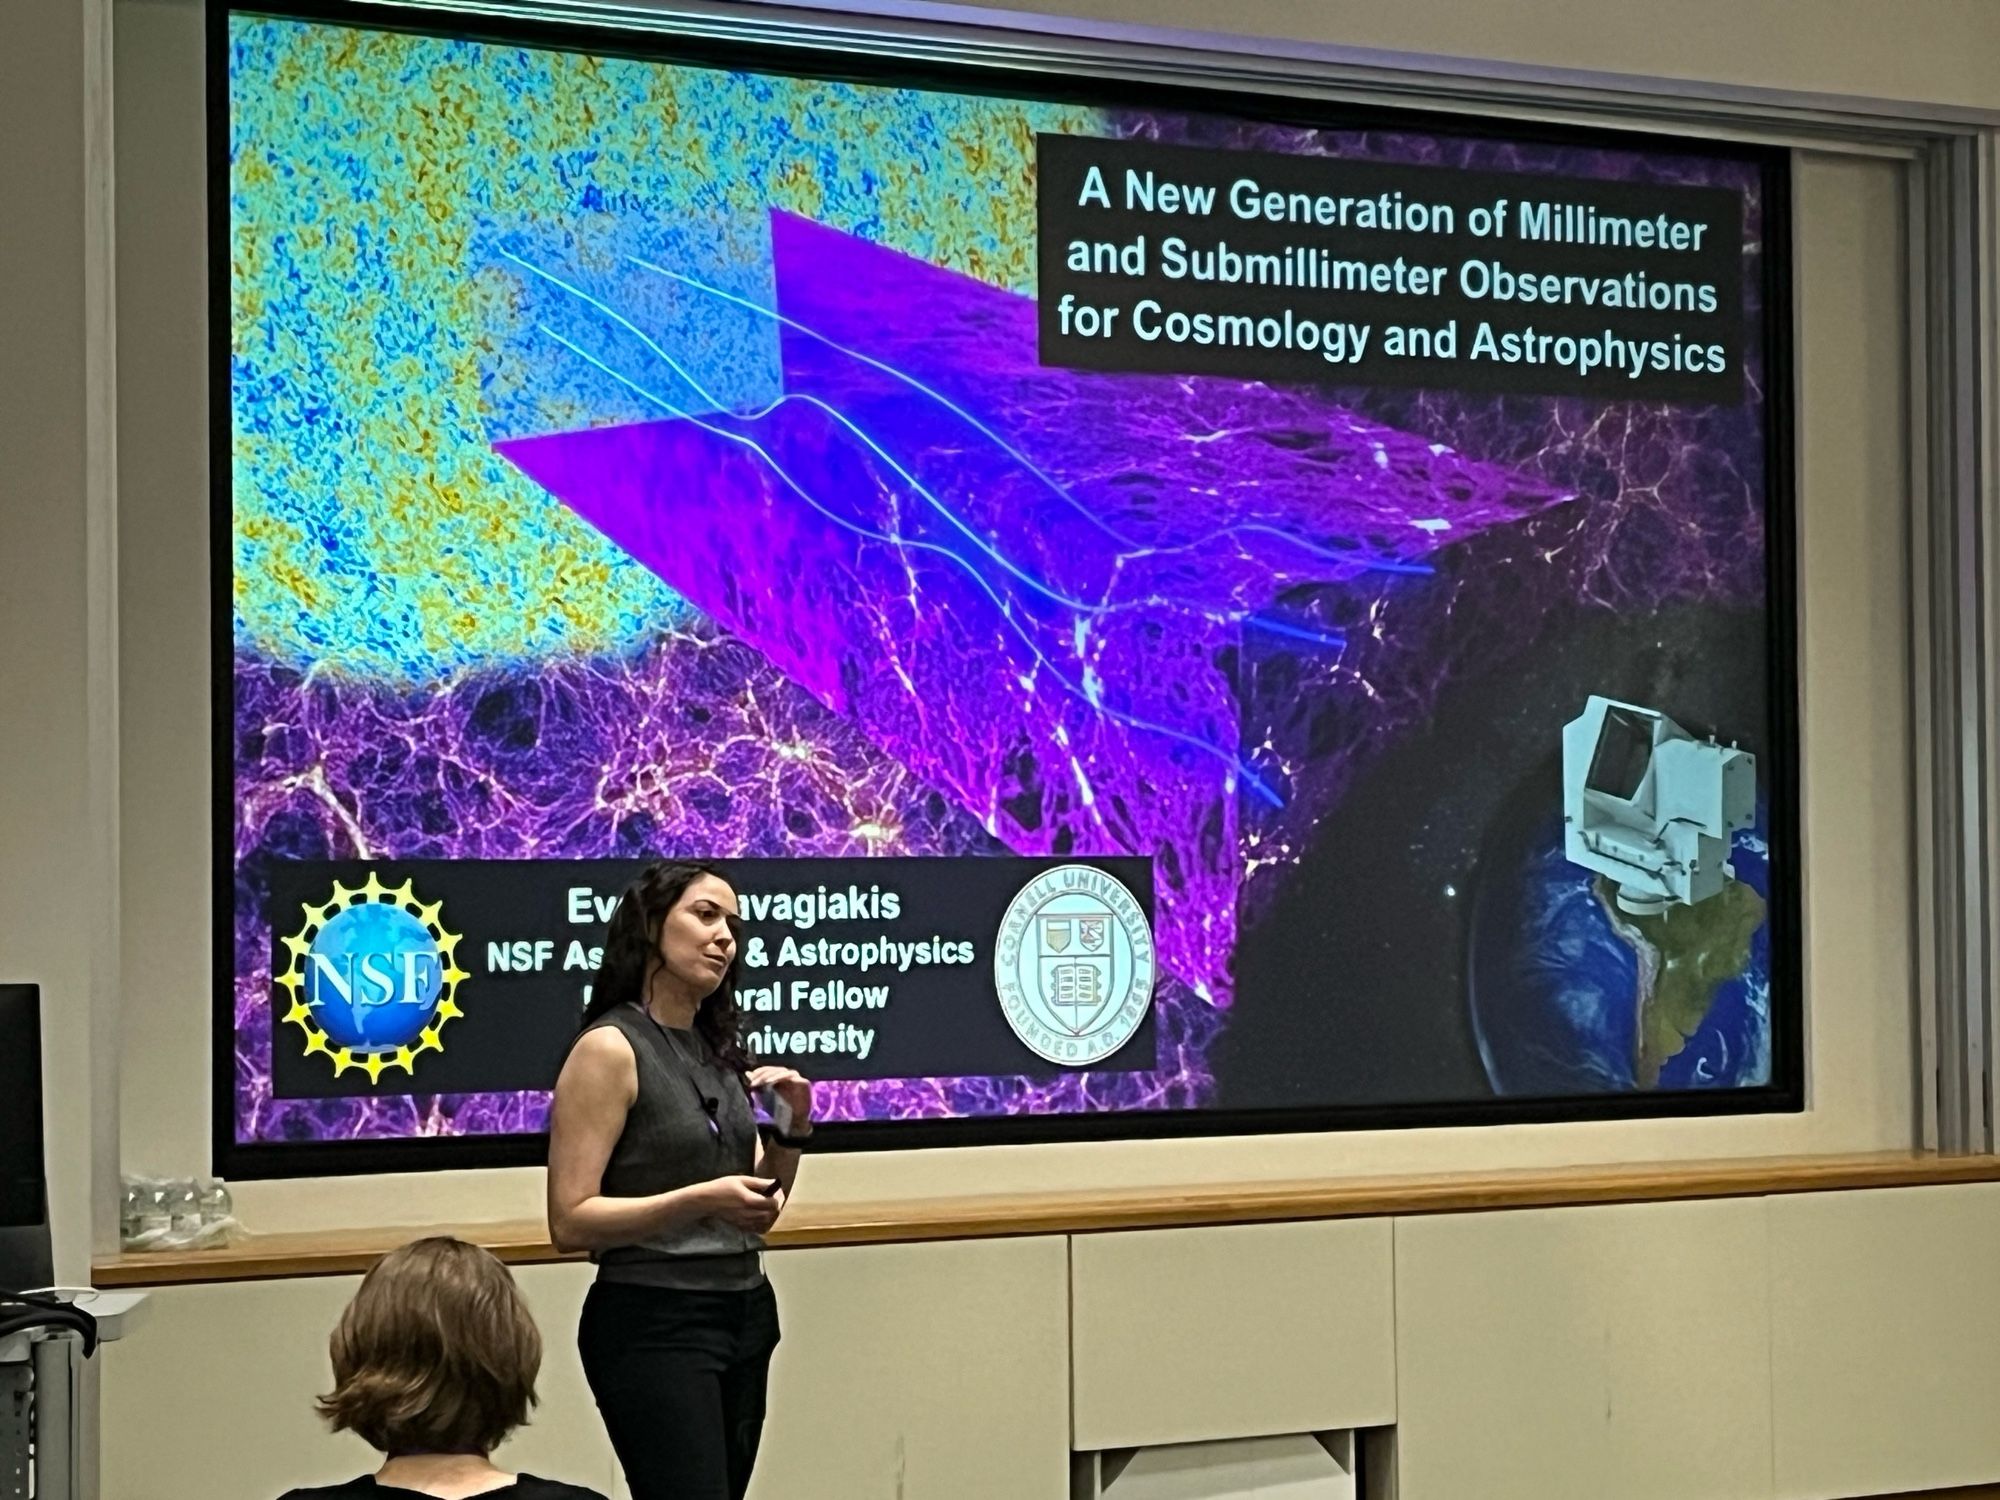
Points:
x=434 y=1364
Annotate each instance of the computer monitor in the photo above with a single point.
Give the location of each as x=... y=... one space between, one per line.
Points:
x=24 y=1211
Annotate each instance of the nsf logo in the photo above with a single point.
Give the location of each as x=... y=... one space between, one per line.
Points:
x=1074 y=965
x=372 y=978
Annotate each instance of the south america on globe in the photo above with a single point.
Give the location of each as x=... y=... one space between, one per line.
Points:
x=1685 y=954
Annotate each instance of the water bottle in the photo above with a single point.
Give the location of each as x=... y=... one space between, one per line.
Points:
x=156 y=1219
x=218 y=1210
x=131 y=1207
x=184 y=1208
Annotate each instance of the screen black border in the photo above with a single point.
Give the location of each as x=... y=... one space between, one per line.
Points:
x=1784 y=1094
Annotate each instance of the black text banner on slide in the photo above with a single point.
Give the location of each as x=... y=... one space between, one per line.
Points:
x=472 y=975
x=1278 y=267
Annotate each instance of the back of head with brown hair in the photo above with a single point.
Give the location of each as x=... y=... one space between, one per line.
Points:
x=435 y=1354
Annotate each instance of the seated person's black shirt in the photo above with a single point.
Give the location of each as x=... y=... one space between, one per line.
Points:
x=524 y=1487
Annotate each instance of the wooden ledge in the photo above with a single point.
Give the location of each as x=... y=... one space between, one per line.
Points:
x=989 y=1216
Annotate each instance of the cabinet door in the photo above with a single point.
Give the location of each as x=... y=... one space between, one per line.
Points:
x=1184 y=1335
x=929 y=1372
x=1885 y=1332
x=1621 y=1350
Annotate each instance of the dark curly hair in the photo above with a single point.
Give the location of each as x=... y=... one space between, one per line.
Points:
x=632 y=953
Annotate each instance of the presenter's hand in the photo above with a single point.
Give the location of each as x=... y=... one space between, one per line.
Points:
x=792 y=1087
x=742 y=1201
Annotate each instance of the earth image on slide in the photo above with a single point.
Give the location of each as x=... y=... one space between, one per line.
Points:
x=1571 y=996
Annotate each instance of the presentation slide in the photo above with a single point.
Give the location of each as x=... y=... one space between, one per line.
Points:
x=1172 y=620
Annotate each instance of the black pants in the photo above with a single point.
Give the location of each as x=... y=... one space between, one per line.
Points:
x=679 y=1381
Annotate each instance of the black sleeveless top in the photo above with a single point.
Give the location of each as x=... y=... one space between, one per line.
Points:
x=691 y=1121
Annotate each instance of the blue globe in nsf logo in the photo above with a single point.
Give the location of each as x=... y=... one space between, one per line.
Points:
x=370 y=978
x=373 y=977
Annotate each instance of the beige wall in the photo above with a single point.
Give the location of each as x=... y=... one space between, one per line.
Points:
x=1936 y=51
x=42 y=552
x=56 y=876
x=163 y=578
x=1855 y=689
